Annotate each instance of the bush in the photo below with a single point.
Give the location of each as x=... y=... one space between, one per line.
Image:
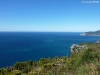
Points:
x=20 y=65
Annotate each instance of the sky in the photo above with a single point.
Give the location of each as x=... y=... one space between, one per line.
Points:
x=50 y=15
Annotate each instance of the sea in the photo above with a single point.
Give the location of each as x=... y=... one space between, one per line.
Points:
x=23 y=46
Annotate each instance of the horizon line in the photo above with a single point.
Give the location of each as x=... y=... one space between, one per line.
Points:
x=41 y=31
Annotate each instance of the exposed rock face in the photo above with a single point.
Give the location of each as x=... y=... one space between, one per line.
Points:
x=77 y=48
x=98 y=41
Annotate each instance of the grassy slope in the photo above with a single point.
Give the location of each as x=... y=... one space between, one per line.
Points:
x=85 y=62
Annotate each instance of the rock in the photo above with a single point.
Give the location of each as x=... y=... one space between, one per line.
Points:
x=74 y=48
x=77 y=48
x=98 y=41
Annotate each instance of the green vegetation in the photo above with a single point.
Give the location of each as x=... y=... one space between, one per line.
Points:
x=84 y=62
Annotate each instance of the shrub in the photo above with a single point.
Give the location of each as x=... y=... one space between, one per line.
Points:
x=20 y=65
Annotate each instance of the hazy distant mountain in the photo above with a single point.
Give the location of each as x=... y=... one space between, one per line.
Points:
x=91 y=33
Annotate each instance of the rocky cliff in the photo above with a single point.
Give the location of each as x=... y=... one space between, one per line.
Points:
x=77 y=48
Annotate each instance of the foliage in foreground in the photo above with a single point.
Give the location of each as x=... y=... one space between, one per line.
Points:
x=85 y=62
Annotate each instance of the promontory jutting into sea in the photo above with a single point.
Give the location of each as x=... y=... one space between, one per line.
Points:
x=23 y=46
x=91 y=33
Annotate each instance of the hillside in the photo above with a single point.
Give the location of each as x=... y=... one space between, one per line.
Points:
x=84 y=62
x=92 y=33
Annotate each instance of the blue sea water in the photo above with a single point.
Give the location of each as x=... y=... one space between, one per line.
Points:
x=23 y=46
